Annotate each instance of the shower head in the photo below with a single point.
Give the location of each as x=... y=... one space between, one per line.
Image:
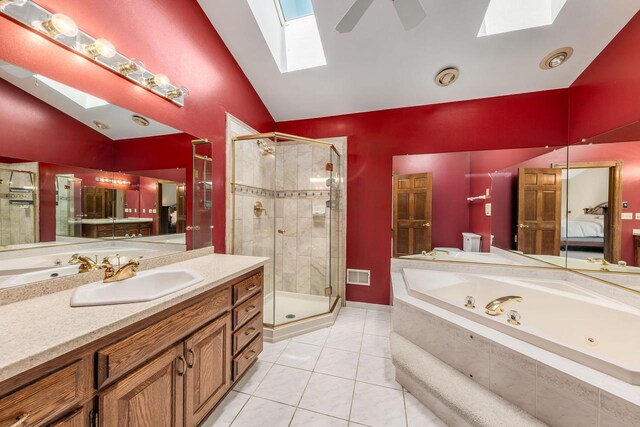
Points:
x=266 y=149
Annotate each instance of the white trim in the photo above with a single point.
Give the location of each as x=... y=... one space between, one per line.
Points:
x=369 y=306
x=231 y=120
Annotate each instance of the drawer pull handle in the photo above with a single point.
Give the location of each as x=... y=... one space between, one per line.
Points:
x=250 y=308
x=191 y=353
x=20 y=420
x=250 y=288
x=250 y=331
x=250 y=354
x=183 y=364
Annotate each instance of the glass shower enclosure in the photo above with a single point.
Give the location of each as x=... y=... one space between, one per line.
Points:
x=286 y=193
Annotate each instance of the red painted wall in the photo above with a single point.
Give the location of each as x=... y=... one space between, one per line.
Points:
x=606 y=94
x=174 y=38
x=526 y=120
x=450 y=189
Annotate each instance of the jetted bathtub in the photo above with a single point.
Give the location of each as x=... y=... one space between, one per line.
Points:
x=556 y=315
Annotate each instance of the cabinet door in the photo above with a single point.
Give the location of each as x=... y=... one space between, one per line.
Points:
x=208 y=378
x=151 y=396
x=79 y=418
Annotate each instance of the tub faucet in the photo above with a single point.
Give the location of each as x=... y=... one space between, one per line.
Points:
x=599 y=260
x=496 y=307
x=434 y=252
x=127 y=271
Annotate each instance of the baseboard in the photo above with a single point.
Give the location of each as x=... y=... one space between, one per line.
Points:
x=368 y=306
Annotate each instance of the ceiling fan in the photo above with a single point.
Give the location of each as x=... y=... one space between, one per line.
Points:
x=410 y=12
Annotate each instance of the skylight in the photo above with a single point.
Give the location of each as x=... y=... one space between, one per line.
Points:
x=504 y=16
x=290 y=29
x=294 y=9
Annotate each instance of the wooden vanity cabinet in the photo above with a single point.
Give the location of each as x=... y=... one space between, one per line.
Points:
x=208 y=375
x=150 y=396
x=169 y=370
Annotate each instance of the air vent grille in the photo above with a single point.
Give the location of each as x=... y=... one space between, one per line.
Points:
x=358 y=277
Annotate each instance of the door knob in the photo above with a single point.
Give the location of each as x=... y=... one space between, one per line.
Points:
x=189 y=228
x=196 y=227
x=523 y=226
x=426 y=224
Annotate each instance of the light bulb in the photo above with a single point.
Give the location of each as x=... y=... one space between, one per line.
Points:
x=178 y=92
x=60 y=24
x=159 y=80
x=101 y=47
x=133 y=66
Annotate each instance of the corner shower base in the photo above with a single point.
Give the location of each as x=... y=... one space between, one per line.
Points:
x=311 y=313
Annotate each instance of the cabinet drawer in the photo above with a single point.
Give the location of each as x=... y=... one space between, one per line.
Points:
x=246 y=310
x=245 y=334
x=247 y=287
x=47 y=397
x=119 y=358
x=243 y=360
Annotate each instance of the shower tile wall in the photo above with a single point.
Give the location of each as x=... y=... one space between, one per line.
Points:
x=254 y=177
x=293 y=186
x=17 y=223
x=301 y=212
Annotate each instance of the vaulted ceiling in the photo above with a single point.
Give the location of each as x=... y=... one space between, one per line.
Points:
x=379 y=65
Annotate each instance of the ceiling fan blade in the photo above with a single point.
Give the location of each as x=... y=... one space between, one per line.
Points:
x=410 y=12
x=353 y=16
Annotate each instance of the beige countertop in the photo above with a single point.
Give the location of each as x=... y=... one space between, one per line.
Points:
x=40 y=329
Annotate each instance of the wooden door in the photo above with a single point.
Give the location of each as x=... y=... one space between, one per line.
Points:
x=208 y=377
x=94 y=203
x=539 y=210
x=151 y=396
x=412 y=213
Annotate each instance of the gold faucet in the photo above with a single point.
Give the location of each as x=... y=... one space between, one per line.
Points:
x=496 y=307
x=86 y=263
x=127 y=271
x=434 y=252
x=600 y=260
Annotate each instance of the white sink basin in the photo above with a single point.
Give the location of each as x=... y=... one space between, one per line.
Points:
x=145 y=286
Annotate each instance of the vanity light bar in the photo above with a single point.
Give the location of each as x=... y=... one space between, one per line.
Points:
x=113 y=181
x=62 y=30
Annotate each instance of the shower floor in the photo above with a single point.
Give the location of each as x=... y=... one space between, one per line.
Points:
x=300 y=305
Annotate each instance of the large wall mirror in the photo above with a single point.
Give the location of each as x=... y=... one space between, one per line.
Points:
x=603 y=206
x=466 y=206
x=79 y=175
x=569 y=207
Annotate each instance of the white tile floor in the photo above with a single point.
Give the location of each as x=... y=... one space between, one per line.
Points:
x=340 y=376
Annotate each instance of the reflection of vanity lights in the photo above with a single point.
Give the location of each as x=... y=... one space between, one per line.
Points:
x=62 y=30
x=113 y=181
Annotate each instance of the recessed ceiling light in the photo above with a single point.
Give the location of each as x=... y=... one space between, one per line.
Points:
x=447 y=76
x=556 y=58
x=101 y=125
x=139 y=120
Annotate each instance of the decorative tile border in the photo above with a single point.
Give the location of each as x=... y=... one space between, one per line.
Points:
x=247 y=189
x=291 y=194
